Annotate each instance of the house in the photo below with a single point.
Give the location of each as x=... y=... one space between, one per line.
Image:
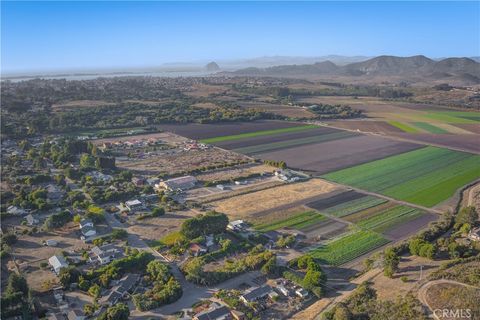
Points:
x=31 y=220
x=98 y=176
x=133 y=205
x=16 y=211
x=196 y=249
x=106 y=253
x=75 y=314
x=474 y=234
x=237 y=225
x=220 y=187
x=283 y=290
x=54 y=194
x=302 y=293
x=150 y=198
x=57 y=263
x=181 y=183
x=88 y=232
x=255 y=294
x=215 y=312
x=138 y=181
x=121 y=290
x=153 y=181
x=86 y=223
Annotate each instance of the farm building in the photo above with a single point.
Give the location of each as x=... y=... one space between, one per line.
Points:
x=57 y=263
x=215 y=312
x=181 y=183
x=196 y=249
x=237 y=225
x=255 y=294
x=134 y=205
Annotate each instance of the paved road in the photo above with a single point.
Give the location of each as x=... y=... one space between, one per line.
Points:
x=191 y=292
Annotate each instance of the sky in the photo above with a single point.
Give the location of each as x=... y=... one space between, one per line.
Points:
x=43 y=36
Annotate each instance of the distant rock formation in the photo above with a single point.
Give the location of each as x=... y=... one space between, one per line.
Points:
x=212 y=66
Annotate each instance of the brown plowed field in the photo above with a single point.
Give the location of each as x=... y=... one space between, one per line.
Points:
x=339 y=154
x=466 y=142
x=203 y=131
x=366 y=126
x=472 y=127
x=334 y=200
x=402 y=230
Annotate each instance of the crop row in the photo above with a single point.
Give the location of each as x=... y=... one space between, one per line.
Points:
x=429 y=128
x=390 y=218
x=348 y=247
x=293 y=142
x=347 y=208
x=257 y=134
x=425 y=176
x=298 y=221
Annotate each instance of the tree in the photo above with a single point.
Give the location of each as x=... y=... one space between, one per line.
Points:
x=342 y=312
x=120 y=311
x=16 y=283
x=94 y=290
x=68 y=276
x=427 y=250
x=390 y=262
x=466 y=215
x=210 y=223
x=158 y=271
x=87 y=161
x=158 y=211
x=270 y=267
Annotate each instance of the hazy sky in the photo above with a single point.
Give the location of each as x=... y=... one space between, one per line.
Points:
x=38 y=36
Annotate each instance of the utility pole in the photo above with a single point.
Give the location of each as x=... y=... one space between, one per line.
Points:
x=421 y=271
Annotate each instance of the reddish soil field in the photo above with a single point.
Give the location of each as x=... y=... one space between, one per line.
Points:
x=465 y=142
x=247 y=142
x=339 y=154
x=472 y=127
x=335 y=200
x=203 y=131
x=366 y=126
x=402 y=230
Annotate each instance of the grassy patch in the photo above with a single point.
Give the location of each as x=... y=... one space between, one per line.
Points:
x=430 y=128
x=402 y=126
x=424 y=176
x=348 y=247
x=453 y=116
x=297 y=221
x=257 y=134
x=172 y=238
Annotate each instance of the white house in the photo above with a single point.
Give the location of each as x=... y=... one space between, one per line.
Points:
x=105 y=253
x=237 y=225
x=88 y=231
x=302 y=293
x=57 y=263
x=86 y=223
x=134 y=205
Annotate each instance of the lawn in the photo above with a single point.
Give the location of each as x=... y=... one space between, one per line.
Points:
x=297 y=221
x=257 y=134
x=424 y=176
x=430 y=128
x=348 y=247
x=347 y=208
x=402 y=126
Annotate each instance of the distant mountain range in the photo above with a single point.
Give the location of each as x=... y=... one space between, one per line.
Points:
x=413 y=68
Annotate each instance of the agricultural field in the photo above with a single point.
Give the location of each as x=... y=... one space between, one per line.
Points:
x=425 y=176
x=338 y=153
x=237 y=172
x=348 y=247
x=269 y=201
x=430 y=128
x=199 y=131
x=257 y=134
x=298 y=221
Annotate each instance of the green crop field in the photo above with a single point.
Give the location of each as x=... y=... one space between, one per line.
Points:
x=257 y=134
x=424 y=176
x=429 y=128
x=453 y=116
x=297 y=221
x=386 y=220
x=294 y=142
x=348 y=247
x=402 y=126
x=347 y=208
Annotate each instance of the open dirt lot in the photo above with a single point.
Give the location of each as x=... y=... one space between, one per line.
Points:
x=247 y=206
x=234 y=173
x=152 y=229
x=334 y=155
